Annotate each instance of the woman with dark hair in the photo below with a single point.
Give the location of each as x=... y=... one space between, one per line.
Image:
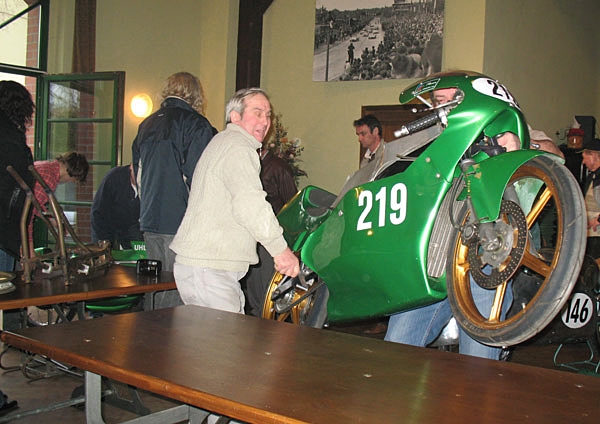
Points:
x=16 y=110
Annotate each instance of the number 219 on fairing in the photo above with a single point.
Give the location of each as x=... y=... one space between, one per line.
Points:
x=389 y=202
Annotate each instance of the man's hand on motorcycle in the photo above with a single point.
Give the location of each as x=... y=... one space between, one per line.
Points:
x=509 y=141
x=287 y=263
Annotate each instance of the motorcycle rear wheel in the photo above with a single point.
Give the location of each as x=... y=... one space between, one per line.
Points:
x=296 y=305
x=555 y=274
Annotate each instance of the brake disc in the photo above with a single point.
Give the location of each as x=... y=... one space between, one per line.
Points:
x=497 y=252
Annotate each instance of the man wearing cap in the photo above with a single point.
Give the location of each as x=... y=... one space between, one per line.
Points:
x=591 y=191
x=572 y=152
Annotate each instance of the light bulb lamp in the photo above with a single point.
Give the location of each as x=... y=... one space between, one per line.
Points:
x=141 y=105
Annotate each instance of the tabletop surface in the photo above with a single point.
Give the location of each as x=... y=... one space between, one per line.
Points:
x=258 y=370
x=118 y=280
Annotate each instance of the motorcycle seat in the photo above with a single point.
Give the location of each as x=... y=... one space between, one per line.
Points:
x=320 y=202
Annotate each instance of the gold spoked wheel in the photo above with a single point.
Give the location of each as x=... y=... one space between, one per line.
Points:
x=301 y=300
x=271 y=307
x=555 y=217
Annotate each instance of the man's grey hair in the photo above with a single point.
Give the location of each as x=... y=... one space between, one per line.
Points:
x=238 y=102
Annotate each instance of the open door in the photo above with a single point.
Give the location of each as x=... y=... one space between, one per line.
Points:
x=391 y=117
x=83 y=113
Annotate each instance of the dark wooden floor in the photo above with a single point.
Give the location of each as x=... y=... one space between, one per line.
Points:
x=34 y=393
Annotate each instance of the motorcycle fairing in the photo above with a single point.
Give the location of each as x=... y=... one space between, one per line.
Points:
x=357 y=247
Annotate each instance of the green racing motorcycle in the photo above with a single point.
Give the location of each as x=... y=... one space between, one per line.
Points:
x=446 y=205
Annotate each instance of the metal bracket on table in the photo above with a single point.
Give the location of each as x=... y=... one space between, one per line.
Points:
x=93 y=405
x=36 y=367
x=134 y=404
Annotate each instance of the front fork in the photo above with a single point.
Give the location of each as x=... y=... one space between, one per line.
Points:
x=496 y=247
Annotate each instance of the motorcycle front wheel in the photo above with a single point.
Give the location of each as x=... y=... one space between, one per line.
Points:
x=552 y=222
x=290 y=300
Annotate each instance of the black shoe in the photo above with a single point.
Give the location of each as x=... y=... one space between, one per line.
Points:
x=7 y=405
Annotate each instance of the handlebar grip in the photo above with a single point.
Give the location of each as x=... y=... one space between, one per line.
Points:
x=419 y=124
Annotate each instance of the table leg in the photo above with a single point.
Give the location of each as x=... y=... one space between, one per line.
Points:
x=93 y=398
x=93 y=405
x=149 y=301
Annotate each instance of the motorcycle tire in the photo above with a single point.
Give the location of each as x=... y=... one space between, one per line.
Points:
x=559 y=197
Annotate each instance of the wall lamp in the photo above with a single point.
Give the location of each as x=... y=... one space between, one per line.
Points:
x=141 y=105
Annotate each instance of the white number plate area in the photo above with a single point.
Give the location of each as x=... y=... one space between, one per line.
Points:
x=578 y=311
x=389 y=204
x=494 y=89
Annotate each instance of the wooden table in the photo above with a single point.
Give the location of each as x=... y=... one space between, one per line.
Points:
x=264 y=371
x=118 y=280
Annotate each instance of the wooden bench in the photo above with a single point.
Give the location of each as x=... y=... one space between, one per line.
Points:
x=263 y=371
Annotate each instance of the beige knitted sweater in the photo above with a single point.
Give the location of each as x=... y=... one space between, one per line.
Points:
x=227 y=212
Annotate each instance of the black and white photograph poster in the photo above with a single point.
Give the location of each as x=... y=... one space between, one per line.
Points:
x=358 y=40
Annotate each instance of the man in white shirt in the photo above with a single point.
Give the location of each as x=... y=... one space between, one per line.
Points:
x=369 y=132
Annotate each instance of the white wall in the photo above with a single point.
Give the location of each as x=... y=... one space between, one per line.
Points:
x=547 y=53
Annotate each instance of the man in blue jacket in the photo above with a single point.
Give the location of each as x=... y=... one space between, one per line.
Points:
x=165 y=151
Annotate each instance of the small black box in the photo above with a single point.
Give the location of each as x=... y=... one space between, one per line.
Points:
x=148 y=267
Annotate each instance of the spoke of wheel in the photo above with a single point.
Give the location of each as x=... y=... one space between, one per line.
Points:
x=461 y=263
x=268 y=311
x=538 y=206
x=296 y=314
x=536 y=264
x=282 y=317
x=498 y=301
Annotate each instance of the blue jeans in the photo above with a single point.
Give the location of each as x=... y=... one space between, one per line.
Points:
x=421 y=326
x=12 y=318
x=7 y=262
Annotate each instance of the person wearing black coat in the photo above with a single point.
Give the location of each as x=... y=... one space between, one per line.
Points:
x=116 y=209
x=16 y=110
x=165 y=152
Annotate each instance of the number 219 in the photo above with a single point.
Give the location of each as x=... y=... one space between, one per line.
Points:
x=397 y=206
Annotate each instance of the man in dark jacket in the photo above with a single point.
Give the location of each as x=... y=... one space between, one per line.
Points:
x=277 y=177
x=165 y=152
x=116 y=209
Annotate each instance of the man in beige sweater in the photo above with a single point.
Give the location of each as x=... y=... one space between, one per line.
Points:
x=227 y=213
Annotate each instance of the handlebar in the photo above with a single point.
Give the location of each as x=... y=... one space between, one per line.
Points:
x=438 y=115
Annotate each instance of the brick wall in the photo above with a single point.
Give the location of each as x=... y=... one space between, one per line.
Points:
x=82 y=135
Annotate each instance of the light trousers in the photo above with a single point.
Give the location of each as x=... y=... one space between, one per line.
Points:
x=210 y=287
